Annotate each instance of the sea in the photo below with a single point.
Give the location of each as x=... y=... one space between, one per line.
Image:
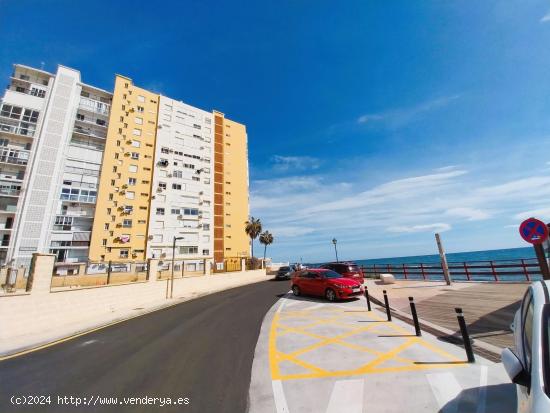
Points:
x=489 y=255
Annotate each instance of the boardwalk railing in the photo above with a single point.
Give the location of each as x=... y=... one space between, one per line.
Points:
x=501 y=270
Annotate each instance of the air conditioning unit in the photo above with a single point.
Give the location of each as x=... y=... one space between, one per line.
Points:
x=159 y=190
x=180 y=216
x=171 y=150
x=169 y=175
x=163 y=255
x=131 y=109
x=201 y=193
x=120 y=208
x=122 y=192
x=150 y=237
x=124 y=186
x=128 y=142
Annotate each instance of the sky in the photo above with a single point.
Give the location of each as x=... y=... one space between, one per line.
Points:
x=376 y=123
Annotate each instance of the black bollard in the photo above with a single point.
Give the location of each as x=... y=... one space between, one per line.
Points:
x=367 y=297
x=465 y=335
x=387 y=305
x=415 y=317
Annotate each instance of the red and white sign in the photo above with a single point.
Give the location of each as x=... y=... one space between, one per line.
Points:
x=533 y=231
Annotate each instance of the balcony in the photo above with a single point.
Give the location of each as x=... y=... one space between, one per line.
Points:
x=94 y=106
x=79 y=130
x=13 y=160
x=9 y=192
x=18 y=128
x=8 y=209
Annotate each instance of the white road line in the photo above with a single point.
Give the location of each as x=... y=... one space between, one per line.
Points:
x=445 y=388
x=346 y=396
x=87 y=343
x=313 y=307
x=482 y=390
x=279 y=395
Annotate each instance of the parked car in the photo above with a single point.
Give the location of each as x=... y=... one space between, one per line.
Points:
x=528 y=365
x=348 y=269
x=325 y=283
x=284 y=273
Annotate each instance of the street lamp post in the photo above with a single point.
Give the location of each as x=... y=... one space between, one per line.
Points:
x=334 y=241
x=173 y=256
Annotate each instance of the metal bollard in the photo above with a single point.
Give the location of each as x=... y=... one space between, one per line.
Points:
x=465 y=335
x=368 y=298
x=415 y=317
x=387 y=305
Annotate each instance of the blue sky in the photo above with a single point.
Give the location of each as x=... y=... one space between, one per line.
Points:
x=374 y=122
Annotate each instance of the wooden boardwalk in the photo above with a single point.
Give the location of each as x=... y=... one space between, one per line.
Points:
x=488 y=307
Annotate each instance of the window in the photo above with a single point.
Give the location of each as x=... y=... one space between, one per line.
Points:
x=206 y=227
x=177 y=174
x=106 y=227
x=135 y=155
x=139 y=121
x=190 y=211
x=127 y=223
x=79 y=116
x=131 y=181
x=162 y=185
x=136 y=144
x=132 y=168
x=528 y=334
x=123 y=254
x=160 y=211
x=130 y=195
x=141 y=98
x=205 y=252
x=196 y=126
x=176 y=186
x=140 y=109
x=100 y=122
x=38 y=92
x=189 y=250
x=136 y=132
x=164 y=150
x=189 y=166
x=104 y=242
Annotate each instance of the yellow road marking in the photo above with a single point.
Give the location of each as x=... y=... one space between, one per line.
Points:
x=279 y=329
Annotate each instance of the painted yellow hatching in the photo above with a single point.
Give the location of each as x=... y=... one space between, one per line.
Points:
x=278 y=329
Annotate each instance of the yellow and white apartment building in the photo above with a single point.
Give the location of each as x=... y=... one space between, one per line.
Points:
x=89 y=174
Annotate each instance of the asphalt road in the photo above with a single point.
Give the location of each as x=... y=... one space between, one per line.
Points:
x=201 y=350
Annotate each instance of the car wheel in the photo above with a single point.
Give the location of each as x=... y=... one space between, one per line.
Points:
x=296 y=290
x=330 y=294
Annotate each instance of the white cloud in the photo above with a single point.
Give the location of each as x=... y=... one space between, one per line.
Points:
x=470 y=214
x=295 y=163
x=437 y=227
x=545 y=18
x=543 y=213
x=401 y=116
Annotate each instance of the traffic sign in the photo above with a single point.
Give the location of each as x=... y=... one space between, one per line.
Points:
x=533 y=231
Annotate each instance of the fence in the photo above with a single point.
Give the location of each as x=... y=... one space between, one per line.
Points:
x=499 y=270
x=182 y=268
x=94 y=274
x=230 y=264
x=13 y=280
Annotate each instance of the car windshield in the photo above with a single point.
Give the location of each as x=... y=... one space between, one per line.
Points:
x=331 y=274
x=353 y=268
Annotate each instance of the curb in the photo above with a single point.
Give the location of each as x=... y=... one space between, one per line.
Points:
x=481 y=348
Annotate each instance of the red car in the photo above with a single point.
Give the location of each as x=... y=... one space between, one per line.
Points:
x=325 y=283
x=348 y=269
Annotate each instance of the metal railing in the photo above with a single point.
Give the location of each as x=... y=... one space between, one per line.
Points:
x=526 y=269
x=18 y=128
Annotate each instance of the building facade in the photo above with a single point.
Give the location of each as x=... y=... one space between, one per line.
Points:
x=88 y=174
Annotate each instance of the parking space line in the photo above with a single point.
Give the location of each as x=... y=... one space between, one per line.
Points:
x=445 y=388
x=482 y=390
x=279 y=395
x=347 y=395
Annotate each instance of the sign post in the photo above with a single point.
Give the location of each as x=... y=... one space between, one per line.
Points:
x=443 y=259
x=535 y=232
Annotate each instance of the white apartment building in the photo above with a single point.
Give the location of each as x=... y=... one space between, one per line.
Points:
x=52 y=133
x=182 y=186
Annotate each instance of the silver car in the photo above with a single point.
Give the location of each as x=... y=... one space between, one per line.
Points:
x=528 y=365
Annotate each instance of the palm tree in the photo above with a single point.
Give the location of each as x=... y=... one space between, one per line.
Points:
x=253 y=227
x=266 y=238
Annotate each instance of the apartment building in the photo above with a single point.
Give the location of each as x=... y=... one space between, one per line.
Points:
x=181 y=205
x=90 y=174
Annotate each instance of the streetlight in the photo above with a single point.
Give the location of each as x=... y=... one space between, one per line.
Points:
x=173 y=256
x=334 y=241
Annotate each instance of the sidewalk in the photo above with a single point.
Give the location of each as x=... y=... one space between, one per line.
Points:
x=32 y=321
x=488 y=307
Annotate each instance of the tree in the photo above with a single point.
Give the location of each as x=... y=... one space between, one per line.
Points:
x=253 y=227
x=266 y=238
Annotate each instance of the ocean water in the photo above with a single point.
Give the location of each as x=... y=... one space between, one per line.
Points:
x=490 y=255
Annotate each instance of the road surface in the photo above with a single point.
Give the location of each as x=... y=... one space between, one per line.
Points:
x=201 y=350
